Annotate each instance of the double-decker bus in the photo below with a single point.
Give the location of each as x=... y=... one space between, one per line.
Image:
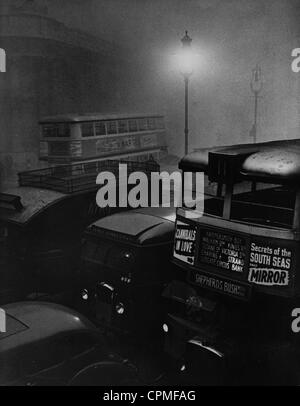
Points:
x=232 y=317
x=77 y=138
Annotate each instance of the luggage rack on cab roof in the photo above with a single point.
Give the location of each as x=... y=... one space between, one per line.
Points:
x=9 y=201
x=80 y=177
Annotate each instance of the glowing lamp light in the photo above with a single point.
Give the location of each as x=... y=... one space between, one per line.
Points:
x=256 y=83
x=186 y=61
x=186 y=58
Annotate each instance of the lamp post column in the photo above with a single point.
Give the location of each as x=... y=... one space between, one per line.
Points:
x=255 y=118
x=186 y=70
x=186 y=116
x=256 y=87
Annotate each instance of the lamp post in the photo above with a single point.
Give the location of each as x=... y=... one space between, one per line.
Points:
x=256 y=85
x=186 y=71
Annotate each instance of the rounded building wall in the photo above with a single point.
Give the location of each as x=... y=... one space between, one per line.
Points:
x=50 y=70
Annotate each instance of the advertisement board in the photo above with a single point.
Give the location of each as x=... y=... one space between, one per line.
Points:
x=231 y=262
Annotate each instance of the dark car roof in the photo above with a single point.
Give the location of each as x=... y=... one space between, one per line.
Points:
x=165 y=213
x=34 y=200
x=274 y=160
x=28 y=322
x=144 y=226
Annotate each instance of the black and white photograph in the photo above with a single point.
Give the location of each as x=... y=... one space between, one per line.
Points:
x=149 y=196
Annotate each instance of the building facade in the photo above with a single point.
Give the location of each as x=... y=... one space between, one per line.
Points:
x=50 y=69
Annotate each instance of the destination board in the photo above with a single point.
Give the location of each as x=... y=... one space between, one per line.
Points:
x=221 y=285
x=221 y=250
x=117 y=144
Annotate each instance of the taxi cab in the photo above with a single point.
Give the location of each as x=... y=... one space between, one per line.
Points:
x=125 y=264
x=46 y=344
x=40 y=238
x=230 y=314
x=41 y=225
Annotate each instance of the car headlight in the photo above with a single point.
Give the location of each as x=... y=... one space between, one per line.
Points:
x=85 y=294
x=120 y=309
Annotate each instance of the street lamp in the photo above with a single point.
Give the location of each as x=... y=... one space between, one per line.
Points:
x=256 y=85
x=186 y=62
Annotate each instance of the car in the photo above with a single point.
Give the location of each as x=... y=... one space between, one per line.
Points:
x=40 y=240
x=125 y=263
x=48 y=344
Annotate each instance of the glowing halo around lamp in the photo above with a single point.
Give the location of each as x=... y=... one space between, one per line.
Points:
x=186 y=60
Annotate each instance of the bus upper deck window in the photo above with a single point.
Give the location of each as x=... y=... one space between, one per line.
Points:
x=132 y=125
x=151 y=123
x=63 y=130
x=56 y=130
x=100 y=128
x=49 y=130
x=160 y=123
x=111 y=127
x=123 y=126
x=87 y=129
x=143 y=124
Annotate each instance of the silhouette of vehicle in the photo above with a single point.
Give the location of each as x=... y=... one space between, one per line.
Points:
x=49 y=344
x=229 y=317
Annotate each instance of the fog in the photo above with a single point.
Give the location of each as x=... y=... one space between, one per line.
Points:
x=230 y=36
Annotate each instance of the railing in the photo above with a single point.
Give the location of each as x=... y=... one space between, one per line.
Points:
x=81 y=177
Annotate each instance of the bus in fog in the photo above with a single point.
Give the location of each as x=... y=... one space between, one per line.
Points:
x=74 y=138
